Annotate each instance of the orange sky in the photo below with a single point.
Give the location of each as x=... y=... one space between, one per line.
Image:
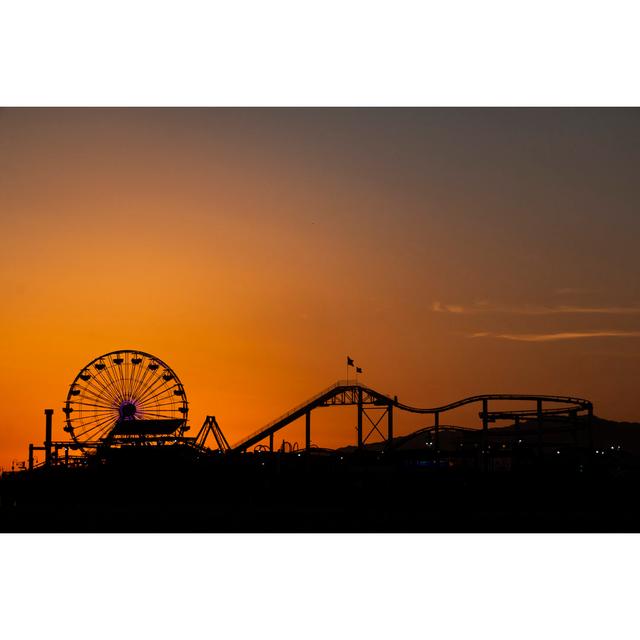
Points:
x=450 y=252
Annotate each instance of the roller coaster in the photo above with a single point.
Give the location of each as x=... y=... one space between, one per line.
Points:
x=350 y=392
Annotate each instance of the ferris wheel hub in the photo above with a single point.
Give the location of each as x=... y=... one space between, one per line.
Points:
x=128 y=410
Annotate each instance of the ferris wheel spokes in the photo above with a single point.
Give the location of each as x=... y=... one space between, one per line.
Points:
x=124 y=395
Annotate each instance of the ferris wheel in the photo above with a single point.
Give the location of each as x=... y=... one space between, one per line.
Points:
x=125 y=397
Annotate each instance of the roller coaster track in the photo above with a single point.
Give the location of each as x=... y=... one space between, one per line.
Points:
x=349 y=392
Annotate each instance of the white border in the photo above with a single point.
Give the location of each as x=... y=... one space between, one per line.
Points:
x=319 y=586
x=333 y=52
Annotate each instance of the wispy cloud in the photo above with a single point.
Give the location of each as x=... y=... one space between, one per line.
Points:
x=531 y=310
x=574 y=291
x=438 y=307
x=552 y=337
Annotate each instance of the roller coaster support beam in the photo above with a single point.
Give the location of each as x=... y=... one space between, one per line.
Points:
x=389 y=426
x=436 y=429
x=485 y=434
x=307 y=430
x=30 y=457
x=359 y=418
x=47 y=436
x=539 y=419
x=271 y=442
x=590 y=428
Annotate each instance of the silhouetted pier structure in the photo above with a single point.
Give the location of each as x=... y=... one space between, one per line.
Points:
x=134 y=400
x=529 y=455
x=372 y=407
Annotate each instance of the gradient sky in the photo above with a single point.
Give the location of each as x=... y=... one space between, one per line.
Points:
x=448 y=251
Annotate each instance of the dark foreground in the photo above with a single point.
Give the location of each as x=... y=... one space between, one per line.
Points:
x=172 y=490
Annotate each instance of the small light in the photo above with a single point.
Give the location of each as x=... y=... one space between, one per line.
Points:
x=558 y=452
x=519 y=440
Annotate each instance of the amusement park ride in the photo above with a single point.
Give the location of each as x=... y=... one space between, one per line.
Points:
x=123 y=398
x=129 y=398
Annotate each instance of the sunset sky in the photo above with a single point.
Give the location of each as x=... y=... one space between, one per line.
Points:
x=450 y=252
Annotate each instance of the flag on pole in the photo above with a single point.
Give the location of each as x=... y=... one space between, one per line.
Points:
x=349 y=362
x=358 y=370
